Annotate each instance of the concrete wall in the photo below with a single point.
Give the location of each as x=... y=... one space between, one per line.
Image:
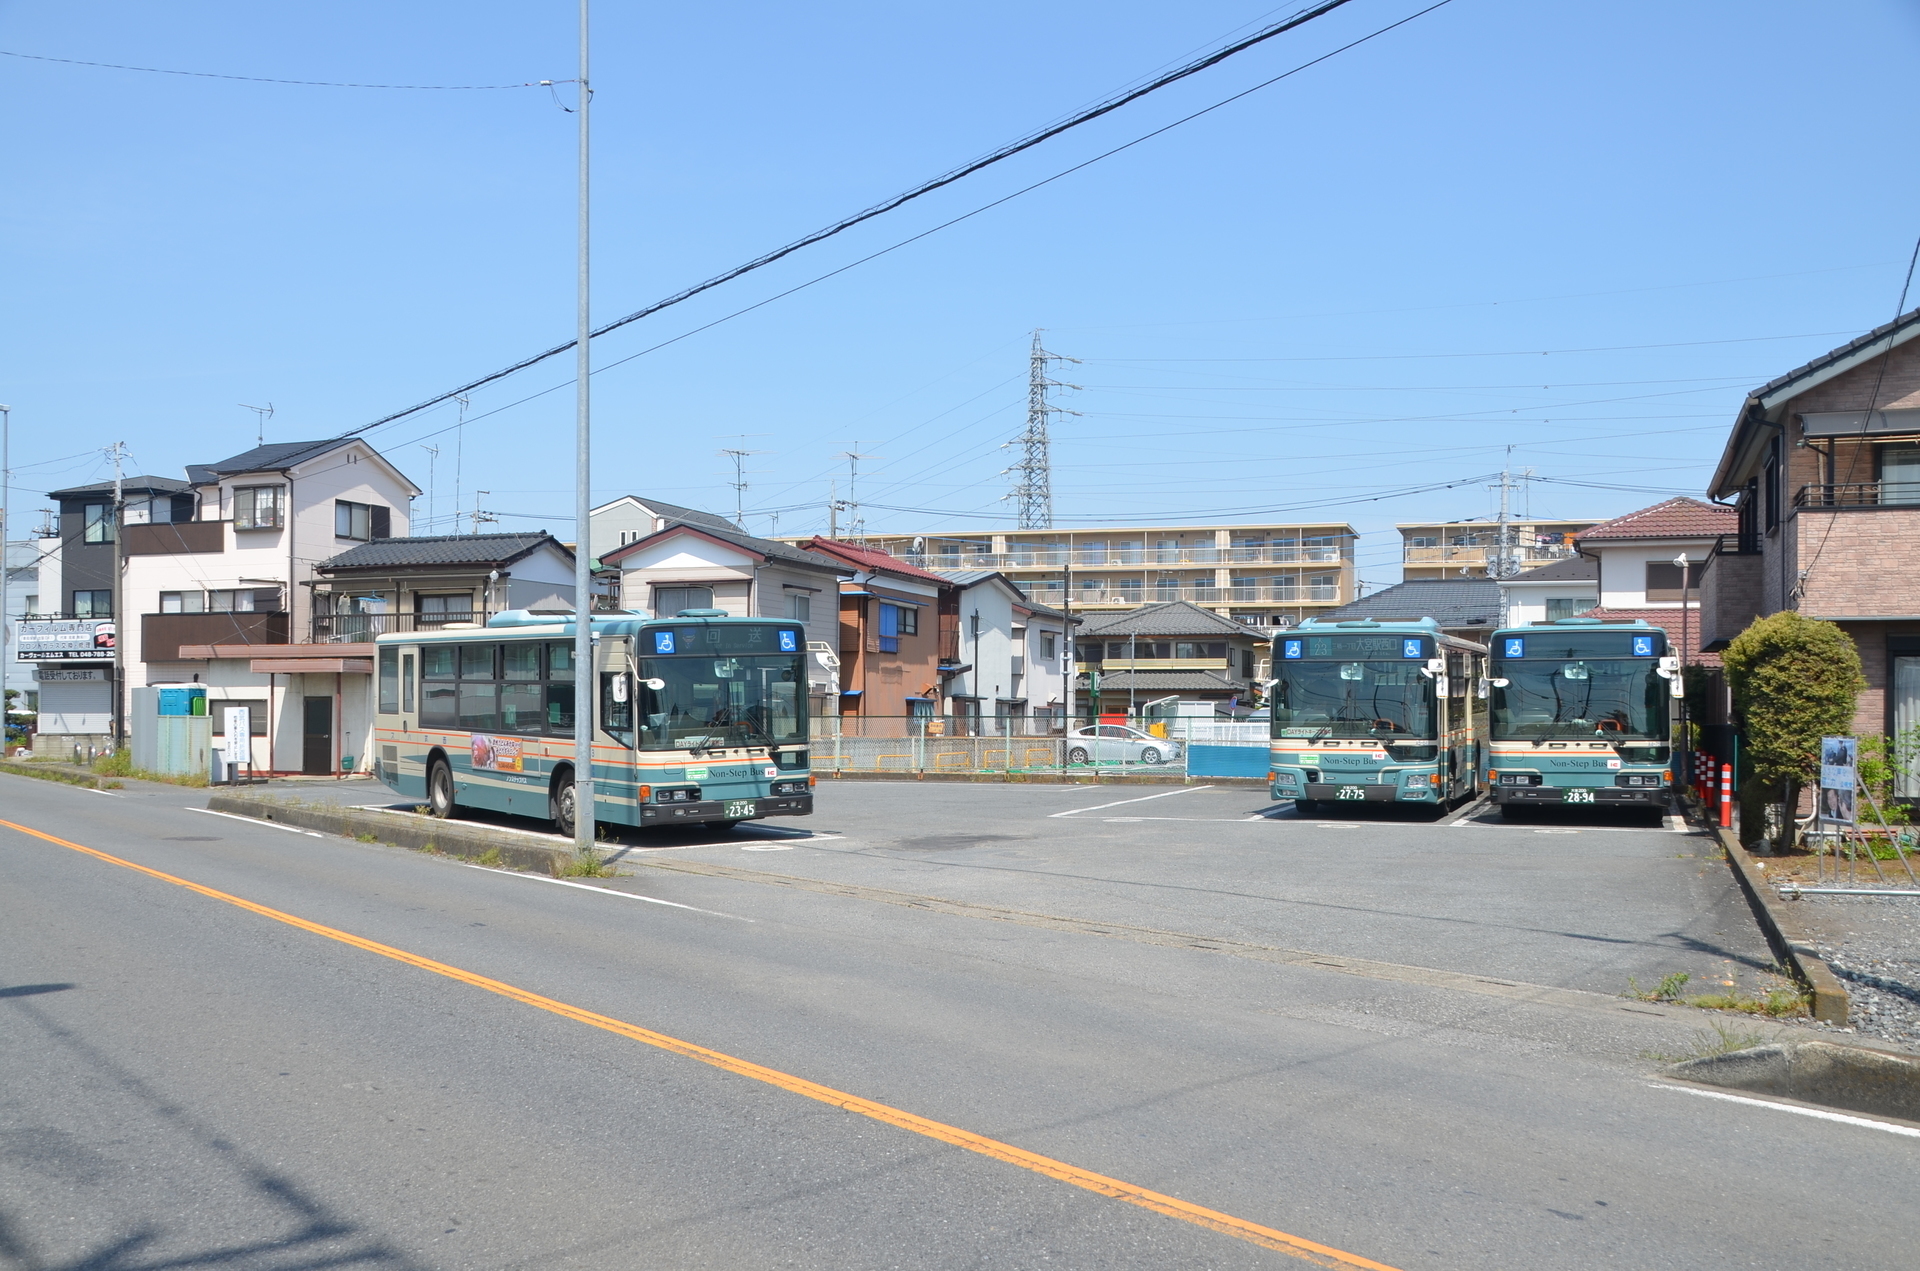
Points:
x=1729 y=597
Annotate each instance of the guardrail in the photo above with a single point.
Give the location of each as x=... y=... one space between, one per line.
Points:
x=1859 y=494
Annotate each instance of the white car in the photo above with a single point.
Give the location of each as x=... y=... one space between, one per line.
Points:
x=1115 y=743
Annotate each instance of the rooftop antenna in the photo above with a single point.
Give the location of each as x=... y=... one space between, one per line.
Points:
x=478 y=515
x=459 y=454
x=856 y=524
x=739 y=481
x=261 y=415
x=1033 y=494
x=433 y=457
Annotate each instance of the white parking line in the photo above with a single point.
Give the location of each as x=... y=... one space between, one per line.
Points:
x=1165 y=794
x=1461 y=817
x=254 y=820
x=1906 y=1130
x=604 y=891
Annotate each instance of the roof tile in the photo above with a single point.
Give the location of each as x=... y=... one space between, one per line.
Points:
x=1676 y=518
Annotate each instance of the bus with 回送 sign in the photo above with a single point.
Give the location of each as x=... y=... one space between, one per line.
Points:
x=699 y=718
x=1582 y=713
x=1381 y=712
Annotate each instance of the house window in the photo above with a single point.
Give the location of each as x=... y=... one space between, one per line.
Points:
x=93 y=604
x=32 y=606
x=800 y=608
x=257 y=507
x=183 y=602
x=889 y=628
x=1423 y=540
x=361 y=521
x=99 y=523
x=909 y=621
x=230 y=601
x=1906 y=718
x=668 y=601
x=434 y=611
x=1770 y=484
x=1559 y=607
x=1663 y=581
x=1900 y=473
x=1049 y=646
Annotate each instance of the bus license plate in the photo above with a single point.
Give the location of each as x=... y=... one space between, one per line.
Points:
x=1349 y=792
x=1579 y=796
x=740 y=809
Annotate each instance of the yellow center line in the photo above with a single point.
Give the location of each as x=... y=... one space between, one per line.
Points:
x=1172 y=1207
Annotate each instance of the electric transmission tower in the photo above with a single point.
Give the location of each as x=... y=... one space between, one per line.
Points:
x=1033 y=492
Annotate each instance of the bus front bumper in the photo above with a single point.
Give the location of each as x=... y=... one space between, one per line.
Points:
x=726 y=809
x=1343 y=792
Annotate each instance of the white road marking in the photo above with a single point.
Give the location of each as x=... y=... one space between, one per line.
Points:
x=604 y=891
x=1165 y=794
x=254 y=820
x=1819 y=1114
x=1336 y=825
x=1461 y=817
x=93 y=790
x=766 y=847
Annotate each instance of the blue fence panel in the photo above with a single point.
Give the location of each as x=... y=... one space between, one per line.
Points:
x=1227 y=761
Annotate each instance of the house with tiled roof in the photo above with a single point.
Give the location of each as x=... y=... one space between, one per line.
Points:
x=1011 y=671
x=1551 y=592
x=897 y=635
x=1822 y=466
x=1650 y=564
x=1171 y=649
x=1466 y=607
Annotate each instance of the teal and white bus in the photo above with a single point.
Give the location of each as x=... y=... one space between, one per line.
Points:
x=702 y=718
x=1581 y=715
x=1382 y=712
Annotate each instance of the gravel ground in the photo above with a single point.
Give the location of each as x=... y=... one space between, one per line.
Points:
x=1873 y=945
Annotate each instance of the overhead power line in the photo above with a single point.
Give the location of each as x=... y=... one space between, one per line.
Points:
x=1072 y=121
x=261 y=79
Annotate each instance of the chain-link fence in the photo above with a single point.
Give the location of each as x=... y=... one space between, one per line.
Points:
x=1024 y=745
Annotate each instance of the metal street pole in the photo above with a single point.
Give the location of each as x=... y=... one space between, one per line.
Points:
x=6 y=565
x=583 y=801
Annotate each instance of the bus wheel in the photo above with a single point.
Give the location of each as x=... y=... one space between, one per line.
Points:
x=560 y=806
x=1515 y=812
x=440 y=789
x=724 y=827
x=1307 y=807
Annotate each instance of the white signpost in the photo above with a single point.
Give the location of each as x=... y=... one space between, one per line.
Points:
x=238 y=750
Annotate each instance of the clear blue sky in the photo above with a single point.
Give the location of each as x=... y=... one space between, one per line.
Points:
x=1259 y=296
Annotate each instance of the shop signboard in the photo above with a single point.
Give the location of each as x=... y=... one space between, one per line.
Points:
x=63 y=640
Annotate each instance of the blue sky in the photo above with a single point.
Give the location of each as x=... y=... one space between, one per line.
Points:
x=1330 y=291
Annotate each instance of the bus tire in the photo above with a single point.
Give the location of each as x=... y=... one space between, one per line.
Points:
x=440 y=791
x=1515 y=812
x=1307 y=807
x=561 y=809
x=724 y=827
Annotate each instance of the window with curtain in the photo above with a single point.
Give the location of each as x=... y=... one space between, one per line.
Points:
x=668 y=601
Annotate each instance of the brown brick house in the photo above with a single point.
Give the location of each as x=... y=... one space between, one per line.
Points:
x=891 y=623
x=1823 y=469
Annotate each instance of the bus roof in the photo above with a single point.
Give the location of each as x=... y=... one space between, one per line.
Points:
x=523 y=623
x=1563 y=624
x=1385 y=626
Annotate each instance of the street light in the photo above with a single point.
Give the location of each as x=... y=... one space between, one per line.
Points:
x=1686 y=640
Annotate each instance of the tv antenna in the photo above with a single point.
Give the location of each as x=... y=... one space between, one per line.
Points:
x=261 y=415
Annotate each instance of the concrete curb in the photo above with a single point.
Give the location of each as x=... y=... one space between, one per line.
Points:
x=1831 y=1002
x=64 y=773
x=1049 y=778
x=450 y=838
x=1851 y=1077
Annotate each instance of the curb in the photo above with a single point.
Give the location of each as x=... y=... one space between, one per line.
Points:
x=450 y=838
x=1092 y=778
x=65 y=773
x=1852 y=1077
x=1831 y=1002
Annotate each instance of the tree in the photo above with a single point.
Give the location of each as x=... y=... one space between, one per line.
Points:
x=1794 y=680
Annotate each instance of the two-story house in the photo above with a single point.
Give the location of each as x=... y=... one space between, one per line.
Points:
x=1823 y=468
x=890 y=638
x=422 y=584
x=1174 y=650
x=1638 y=557
x=1468 y=607
x=1011 y=673
x=632 y=517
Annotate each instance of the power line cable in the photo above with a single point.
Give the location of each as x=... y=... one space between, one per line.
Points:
x=261 y=79
x=928 y=187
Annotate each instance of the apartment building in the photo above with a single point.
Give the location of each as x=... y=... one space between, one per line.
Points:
x=1822 y=466
x=1464 y=549
x=1259 y=576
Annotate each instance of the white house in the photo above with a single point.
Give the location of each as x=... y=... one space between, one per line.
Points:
x=1560 y=590
x=1637 y=555
x=630 y=518
x=215 y=588
x=1012 y=657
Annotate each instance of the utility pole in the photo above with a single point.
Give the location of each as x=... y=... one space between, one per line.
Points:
x=584 y=819
x=1033 y=494
x=117 y=452
x=459 y=456
x=1504 y=564
x=433 y=496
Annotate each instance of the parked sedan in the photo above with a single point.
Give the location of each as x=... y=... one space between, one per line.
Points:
x=1114 y=743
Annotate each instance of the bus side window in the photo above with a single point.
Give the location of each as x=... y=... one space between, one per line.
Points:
x=406 y=683
x=616 y=704
x=389 y=681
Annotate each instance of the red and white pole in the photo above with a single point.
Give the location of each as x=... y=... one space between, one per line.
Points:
x=1726 y=795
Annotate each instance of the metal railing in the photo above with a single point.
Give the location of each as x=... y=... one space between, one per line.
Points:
x=1082 y=596
x=1015 y=745
x=358 y=628
x=1478 y=553
x=1859 y=494
x=1122 y=557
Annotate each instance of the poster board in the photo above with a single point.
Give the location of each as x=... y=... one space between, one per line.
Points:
x=1839 y=782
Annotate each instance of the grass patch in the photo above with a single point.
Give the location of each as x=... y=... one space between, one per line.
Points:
x=1779 y=1002
x=1668 y=990
x=120 y=764
x=490 y=858
x=21 y=768
x=582 y=865
x=1721 y=1039
x=366 y=837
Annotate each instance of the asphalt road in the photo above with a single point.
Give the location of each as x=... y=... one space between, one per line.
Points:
x=191 y=1082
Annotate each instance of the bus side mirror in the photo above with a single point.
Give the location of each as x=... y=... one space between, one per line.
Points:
x=1483 y=688
x=1676 y=687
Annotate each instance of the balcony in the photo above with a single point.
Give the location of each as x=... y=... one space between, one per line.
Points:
x=949 y=646
x=1087 y=597
x=1477 y=553
x=162 y=634
x=175 y=538
x=358 y=628
x=1859 y=494
x=1115 y=557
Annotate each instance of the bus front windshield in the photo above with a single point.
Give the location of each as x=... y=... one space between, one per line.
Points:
x=1590 y=697
x=700 y=703
x=1352 y=699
